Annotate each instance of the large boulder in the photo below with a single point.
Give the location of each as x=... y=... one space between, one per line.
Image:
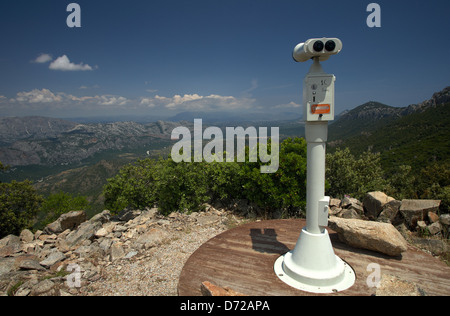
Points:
x=417 y=210
x=54 y=257
x=69 y=220
x=10 y=245
x=102 y=217
x=389 y=212
x=445 y=219
x=376 y=236
x=352 y=204
x=373 y=203
x=154 y=237
x=26 y=236
x=86 y=231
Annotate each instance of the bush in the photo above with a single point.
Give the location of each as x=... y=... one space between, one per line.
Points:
x=60 y=203
x=133 y=187
x=434 y=183
x=185 y=187
x=283 y=190
x=182 y=187
x=172 y=186
x=353 y=176
x=2 y=167
x=19 y=204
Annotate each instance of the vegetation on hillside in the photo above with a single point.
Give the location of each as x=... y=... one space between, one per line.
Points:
x=406 y=157
x=417 y=140
x=19 y=204
x=57 y=204
x=187 y=186
x=355 y=176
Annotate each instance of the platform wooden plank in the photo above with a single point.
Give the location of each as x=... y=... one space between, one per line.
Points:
x=242 y=259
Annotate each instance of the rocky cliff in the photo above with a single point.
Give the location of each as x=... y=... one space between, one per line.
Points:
x=46 y=141
x=374 y=111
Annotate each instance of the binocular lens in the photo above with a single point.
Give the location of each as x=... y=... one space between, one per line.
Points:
x=330 y=46
x=318 y=46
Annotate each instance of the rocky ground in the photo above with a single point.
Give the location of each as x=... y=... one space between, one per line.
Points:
x=156 y=270
x=140 y=252
x=135 y=253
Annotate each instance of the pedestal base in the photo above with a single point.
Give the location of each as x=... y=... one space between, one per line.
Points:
x=313 y=267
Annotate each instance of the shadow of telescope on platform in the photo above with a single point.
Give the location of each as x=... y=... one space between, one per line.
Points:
x=265 y=241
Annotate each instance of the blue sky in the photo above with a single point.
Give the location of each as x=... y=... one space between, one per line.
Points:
x=163 y=57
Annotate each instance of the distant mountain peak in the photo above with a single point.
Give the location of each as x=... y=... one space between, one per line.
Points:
x=371 y=110
x=440 y=97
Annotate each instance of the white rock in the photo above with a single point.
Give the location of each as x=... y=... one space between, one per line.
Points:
x=117 y=251
x=376 y=236
x=54 y=257
x=102 y=232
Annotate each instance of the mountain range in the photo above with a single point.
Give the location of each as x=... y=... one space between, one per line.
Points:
x=416 y=135
x=44 y=141
x=47 y=141
x=371 y=113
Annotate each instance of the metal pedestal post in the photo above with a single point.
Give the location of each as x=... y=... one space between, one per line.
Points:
x=312 y=266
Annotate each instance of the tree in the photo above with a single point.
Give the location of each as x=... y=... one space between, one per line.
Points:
x=3 y=168
x=403 y=183
x=60 y=203
x=283 y=190
x=434 y=183
x=133 y=187
x=19 y=204
x=353 y=176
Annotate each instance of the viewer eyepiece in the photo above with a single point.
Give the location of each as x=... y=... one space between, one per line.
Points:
x=330 y=46
x=318 y=46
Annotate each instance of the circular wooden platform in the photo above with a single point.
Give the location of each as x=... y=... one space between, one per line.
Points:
x=242 y=259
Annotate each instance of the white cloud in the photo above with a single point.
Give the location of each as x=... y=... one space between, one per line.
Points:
x=177 y=100
x=46 y=102
x=111 y=100
x=196 y=102
x=63 y=99
x=63 y=63
x=80 y=99
x=37 y=96
x=291 y=105
x=43 y=58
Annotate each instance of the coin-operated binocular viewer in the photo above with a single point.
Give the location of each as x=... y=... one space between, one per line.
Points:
x=313 y=266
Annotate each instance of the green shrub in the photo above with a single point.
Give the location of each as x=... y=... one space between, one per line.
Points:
x=133 y=187
x=185 y=187
x=181 y=187
x=434 y=183
x=353 y=176
x=60 y=203
x=2 y=167
x=283 y=190
x=19 y=204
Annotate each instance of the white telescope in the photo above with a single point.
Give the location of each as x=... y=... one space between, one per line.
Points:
x=313 y=266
